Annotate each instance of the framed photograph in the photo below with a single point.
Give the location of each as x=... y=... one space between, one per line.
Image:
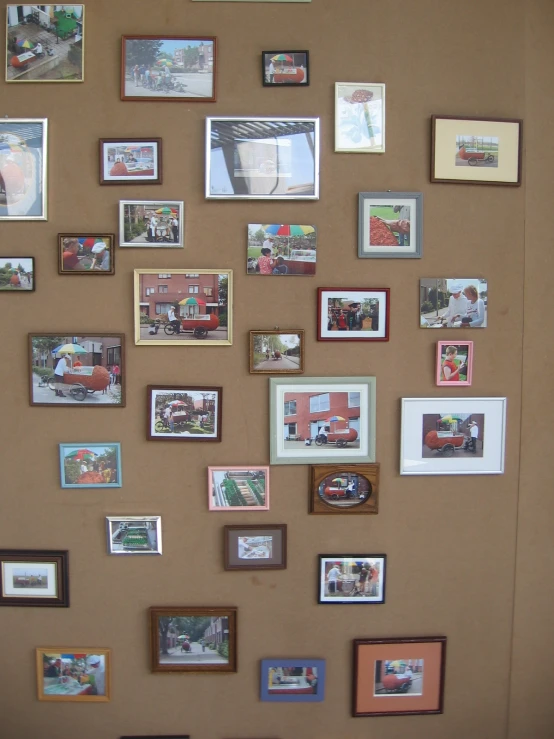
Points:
x=454 y=363
x=184 y=307
x=193 y=639
x=17 y=274
x=399 y=676
x=281 y=249
x=184 y=413
x=344 y=489
x=254 y=1
x=296 y=680
x=65 y=370
x=151 y=223
x=253 y=547
x=476 y=151
x=322 y=419
x=74 y=674
x=86 y=254
x=160 y=69
x=353 y=314
x=34 y=577
x=262 y=158
x=158 y=736
x=238 y=488
x=134 y=534
x=285 y=68
x=279 y=352
x=360 y=117
x=90 y=465
x=352 y=578
x=390 y=225
x=131 y=161
x=45 y=43
x=453 y=302
x=453 y=436
x=23 y=164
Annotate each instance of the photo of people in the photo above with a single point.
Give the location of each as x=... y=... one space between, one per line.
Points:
x=193 y=640
x=254 y=547
x=291 y=679
x=274 y=352
x=151 y=223
x=281 y=249
x=17 y=274
x=86 y=254
x=448 y=434
x=349 y=315
x=344 y=490
x=285 y=68
x=398 y=677
x=67 y=675
x=453 y=302
x=184 y=414
x=389 y=225
x=30 y=577
x=90 y=465
x=477 y=151
x=454 y=363
x=352 y=579
x=133 y=161
x=29 y=580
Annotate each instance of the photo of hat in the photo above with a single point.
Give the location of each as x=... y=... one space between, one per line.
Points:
x=98 y=247
x=456 y=287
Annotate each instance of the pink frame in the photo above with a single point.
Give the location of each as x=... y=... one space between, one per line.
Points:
x=244 y=509
x=441 y=345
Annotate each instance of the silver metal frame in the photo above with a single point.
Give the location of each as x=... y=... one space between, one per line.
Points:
x=44 y=168
x=251 y=119
x=154 y=519
x=169 y=245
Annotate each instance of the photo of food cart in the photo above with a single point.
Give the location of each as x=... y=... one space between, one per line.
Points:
x=446 y=434
x=281 y=249
x=477 y=151
x=183 y=413
x=285 y=68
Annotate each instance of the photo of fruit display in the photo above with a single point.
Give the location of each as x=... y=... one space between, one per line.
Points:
x=90 y=465
x=238 y=488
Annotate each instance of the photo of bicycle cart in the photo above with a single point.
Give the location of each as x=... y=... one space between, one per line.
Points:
x=453 y=433
x=476 y=151
x=184 y=413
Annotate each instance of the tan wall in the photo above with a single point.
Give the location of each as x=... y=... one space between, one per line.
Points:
x=451 y=541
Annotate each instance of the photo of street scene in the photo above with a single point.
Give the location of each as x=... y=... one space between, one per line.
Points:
x=130 y=161
x=45 y=43
x=390 y=225
x=74 y=675
x=321 y=420
x=452 y=434
x=238 y=489
x=134 y=535
x=172 y=68
x=193 y=640
x=344 y=490
x=151 y=223
x=17 y=273
x=281 y=249
x=93 y=465
x=398 y=677
x=453 y=302
x=185 y=414
x=255 y=547
x=29 y=579
x=285 y=67
x=77 y=370
x=22 y=169
x=351 y=579
x=477 y=151
x=273 y=352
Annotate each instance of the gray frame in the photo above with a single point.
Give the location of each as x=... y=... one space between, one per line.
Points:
x=243 y=121
x=137 y=519
x=368 y=197
x=315 y=455
x=180 y=204
x=7 y=122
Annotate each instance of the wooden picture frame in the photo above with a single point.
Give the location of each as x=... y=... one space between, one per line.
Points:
x=410 y=682
x=327 y=501
x=78 y=674
x=272 y=364
x=146 y=170
x=215 y=626
x=34 y=577
x=79 y=255
x=190 y=421
x=255 y=547
x=353 y=313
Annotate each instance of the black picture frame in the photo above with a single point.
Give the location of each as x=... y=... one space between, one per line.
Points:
x=299 y=71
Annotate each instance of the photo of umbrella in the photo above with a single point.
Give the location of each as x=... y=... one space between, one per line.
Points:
x=335 y=418
x=177 y=402
x=165 y=211
x=281 y=58
x=24 y=44
x=164 y=63
x=82 y=454
x=70 y=349
x=192 y=301
x=285 y=229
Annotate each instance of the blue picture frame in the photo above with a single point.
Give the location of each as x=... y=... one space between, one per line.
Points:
x=99 y=462
x=275 y=693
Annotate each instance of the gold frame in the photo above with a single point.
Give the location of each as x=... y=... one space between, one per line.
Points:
x=46 y=81
x=185 y=342
x=107 y=653
x=276 y=371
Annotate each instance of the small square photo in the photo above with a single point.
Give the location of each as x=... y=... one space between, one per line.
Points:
x=290 y=68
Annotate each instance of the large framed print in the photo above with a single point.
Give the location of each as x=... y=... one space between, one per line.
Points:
x=262 y=158
x=476 y=151
x=184 y=307
x=315 y=420
x=67 y=370
x=34 y=577
x=151 y=223
x=252 y=1
x=353 y=313
x=360 y=117
x=73 y=674
x=161 y=69
x=395 y=677
x=390 y=225
x=23 y=169
x=453 y=436
x=45 y=43
x=131 y=161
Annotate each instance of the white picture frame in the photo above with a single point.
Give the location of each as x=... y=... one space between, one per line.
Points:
x=164 y=235
x=437 y=438
x=27 y=140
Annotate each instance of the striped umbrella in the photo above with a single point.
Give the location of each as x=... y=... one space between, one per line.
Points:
x=24 y=43
x=285 y=229
x=192 y=301
x=281 y=58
